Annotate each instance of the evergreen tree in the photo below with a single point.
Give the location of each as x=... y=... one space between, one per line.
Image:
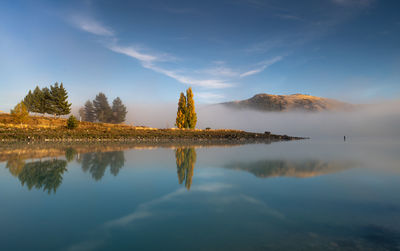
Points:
x=59 y=100
x=181 y=113
x=82 y=115
x=29 y=102
x=20 y=113
x=90 y=114
x=38 y=101
x=72 y=122
x=191 y=116
x=46 y=102
x=118 y=111
x=102 y=108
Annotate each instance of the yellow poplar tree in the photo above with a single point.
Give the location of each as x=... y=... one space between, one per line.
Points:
x=191 y=116
x=181 y=114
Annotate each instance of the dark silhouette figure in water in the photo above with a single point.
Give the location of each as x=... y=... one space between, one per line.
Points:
x=185 y=161
x=344 y=138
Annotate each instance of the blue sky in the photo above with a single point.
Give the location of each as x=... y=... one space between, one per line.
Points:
x=150 y=51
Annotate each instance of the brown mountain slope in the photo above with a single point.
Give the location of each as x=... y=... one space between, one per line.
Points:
x=294 y=102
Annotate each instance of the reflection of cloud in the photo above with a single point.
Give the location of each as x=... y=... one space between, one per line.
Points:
x=129 y=218
x=144 y=210
x=242 y=198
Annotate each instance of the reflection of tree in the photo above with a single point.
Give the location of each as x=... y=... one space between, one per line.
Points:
x=185 y=161
x=70 y=154
x=97 y=163
x=15 y=166
x=40 y=174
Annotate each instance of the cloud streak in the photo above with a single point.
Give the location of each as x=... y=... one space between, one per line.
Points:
x=264 y=65
x=217 y=77
x=148 y=61
x=92 y=26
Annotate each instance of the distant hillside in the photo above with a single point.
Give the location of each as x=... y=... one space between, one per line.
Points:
x=295 y=102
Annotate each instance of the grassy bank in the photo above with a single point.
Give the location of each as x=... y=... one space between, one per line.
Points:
x=54 y=129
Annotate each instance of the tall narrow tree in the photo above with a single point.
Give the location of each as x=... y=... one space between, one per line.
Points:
x=181 y=113
x=90 y=114
x=191 y=116
x=118 y=111
x=102 y=108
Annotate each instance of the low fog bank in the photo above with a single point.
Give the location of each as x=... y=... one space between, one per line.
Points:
x=372 y=121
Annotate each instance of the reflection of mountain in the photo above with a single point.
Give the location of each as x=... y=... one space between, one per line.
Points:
x=97 y=163
x=39 y=174
x=300 y=169
x=185 y=161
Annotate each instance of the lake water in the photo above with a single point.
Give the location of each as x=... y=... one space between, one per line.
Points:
x=300 y=195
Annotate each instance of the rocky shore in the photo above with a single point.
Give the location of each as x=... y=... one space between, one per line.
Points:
x=44 y=129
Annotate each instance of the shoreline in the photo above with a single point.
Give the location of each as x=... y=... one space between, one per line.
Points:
x=45 y=129
x=144 y=136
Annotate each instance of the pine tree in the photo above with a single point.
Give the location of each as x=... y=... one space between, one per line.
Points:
x=82 y=115
x=191 y=116
x=29 y=102
x=90 y=114
x=20 y=113
x=102 y=108
x=46 y=101
x=59 y=100
x=118 y=111
x=38 y=101
x=181 y=113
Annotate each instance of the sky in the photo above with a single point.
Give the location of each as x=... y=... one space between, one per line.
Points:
x=149 y=51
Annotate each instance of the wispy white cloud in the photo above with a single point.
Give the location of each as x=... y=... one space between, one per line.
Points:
x=91 y=26
x=149 y=61
x=264 y=65
x=134 y=53
x=218 y=76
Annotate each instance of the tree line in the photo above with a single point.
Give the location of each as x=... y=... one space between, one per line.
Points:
x=186 y=116
x=100 y=110
x=53 y=100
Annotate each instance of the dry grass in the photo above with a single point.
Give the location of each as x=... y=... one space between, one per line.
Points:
x=54 y=129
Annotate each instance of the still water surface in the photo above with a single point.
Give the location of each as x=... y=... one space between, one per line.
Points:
x=304 y=195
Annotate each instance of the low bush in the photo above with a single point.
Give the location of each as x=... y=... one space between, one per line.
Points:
x=72 y=122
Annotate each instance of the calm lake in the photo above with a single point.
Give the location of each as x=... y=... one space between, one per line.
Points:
x=299 y=195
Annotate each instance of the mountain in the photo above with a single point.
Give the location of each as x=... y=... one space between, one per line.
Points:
x=294 y=102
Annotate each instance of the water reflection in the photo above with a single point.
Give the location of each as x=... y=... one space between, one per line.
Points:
x=185 y=161
x=298 y=168
x=39 y=174
x=47 y=174
x=97 y=163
